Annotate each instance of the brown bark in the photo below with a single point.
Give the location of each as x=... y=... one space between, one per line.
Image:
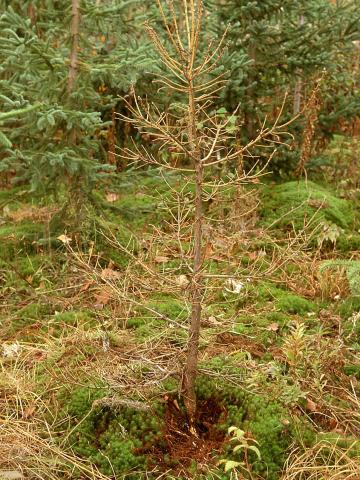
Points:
x=75 y=24
x=32 y=13
x=299 y=82
x=190 y=371
x=73 y=69
x=111 y=139
x=297 y=96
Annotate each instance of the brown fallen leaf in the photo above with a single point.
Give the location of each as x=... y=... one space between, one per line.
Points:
x=101 y=299
x=64 y=239
x=86 y=286
x=333 y=424
x=39 y=355
x=109 y=274
x=29 y=412
x=310 y=405
x=112 y=197
x=208 y=250
x=273 y=327
x=161 y=259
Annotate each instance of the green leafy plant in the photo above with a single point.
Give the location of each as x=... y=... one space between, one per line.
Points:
x=329 y=233
x=243 y=443
x=295 y=345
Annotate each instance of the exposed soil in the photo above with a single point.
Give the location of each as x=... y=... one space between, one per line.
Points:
x=181 y=448
x=227 y=342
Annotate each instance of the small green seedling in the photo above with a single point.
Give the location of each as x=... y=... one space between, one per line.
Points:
x=243 y=443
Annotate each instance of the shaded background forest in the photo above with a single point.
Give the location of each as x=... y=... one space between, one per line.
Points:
x=273 y=48
x=97 y=243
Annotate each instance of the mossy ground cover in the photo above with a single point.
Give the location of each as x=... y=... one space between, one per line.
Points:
x=328 y=221
x=273 y=357
x=294 y=203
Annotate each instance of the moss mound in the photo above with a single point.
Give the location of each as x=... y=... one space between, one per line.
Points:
x=347 y=243
x=19 y=236
x=285 y=301
x=292 y=203
x=291 y=303
x=348 y=307
x=123 y=440
x=26 y=322
x=116 y=439
x=265 y=419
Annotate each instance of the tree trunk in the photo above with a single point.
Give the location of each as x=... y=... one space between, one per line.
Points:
x=75 y=24
x=74 y=181
x=190 y=371
x=299 y=82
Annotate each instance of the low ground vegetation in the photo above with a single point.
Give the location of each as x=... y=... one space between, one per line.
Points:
x=93 y=340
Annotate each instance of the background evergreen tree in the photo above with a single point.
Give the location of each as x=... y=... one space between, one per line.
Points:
x=283 y=46
x=273 y=47
x=65 y=142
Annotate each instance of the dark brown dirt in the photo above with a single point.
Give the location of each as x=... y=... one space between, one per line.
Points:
x=183 y=449
x=227 y=342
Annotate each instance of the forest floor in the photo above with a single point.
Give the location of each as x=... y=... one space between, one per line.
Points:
x=94 y=332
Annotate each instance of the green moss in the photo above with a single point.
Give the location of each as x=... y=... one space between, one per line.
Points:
x=226 y=364
x=256 y=325
x=171 y=385
x=348 y=243
x=267 y=291
x=278 y=317
x=74 y=317
x=145 y=327
x=116 y=440
x=15 y=236
x=168 y=306
x=78 y=401
x=135 y=322
x=267 y=421
x=119 y=234
x=349 y=306
x=285 y=302
x=124 y=437
x=25 y=318
x=30 y=265
x=291 y=303
x=136 y=208
x=37 y=314
x=148 y=327
x=11 y=195
x=32 y=311
x=352 y=370
x=240 y=328
x=309 y=200
x=165 y=305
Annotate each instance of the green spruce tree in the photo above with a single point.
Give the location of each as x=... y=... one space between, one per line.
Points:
x=75 y=59
x=281 y=46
